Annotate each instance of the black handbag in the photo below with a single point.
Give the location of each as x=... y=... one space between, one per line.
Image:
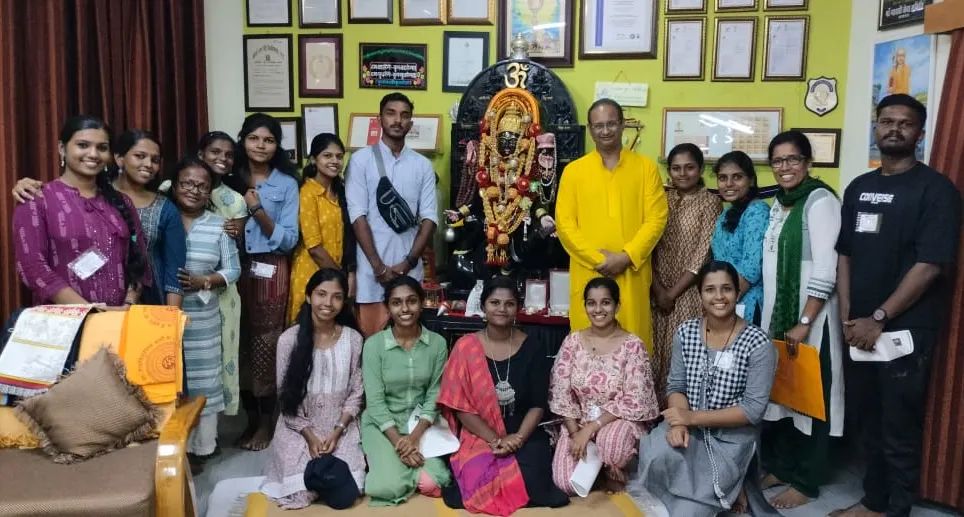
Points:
x=392 y=207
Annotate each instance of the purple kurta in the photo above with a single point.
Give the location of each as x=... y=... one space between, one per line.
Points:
x=53 y=230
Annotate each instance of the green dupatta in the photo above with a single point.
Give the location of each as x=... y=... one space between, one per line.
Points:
x=786 y=305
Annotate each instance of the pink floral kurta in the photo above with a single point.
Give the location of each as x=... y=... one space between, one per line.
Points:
x=583 y=383
x=335 y=386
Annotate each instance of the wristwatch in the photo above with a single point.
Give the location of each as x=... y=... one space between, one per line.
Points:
x=880 y=315
x=805 y=320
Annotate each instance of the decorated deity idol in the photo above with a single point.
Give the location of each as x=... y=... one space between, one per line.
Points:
x=507 y=149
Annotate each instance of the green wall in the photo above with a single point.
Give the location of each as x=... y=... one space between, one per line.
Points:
x=827 y=55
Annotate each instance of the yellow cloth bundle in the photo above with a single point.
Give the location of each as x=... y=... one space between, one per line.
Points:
x=148 y=339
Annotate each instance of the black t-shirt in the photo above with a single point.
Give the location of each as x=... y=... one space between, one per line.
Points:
x=890 y=223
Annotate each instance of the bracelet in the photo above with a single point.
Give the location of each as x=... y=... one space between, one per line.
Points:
x=383 y=271
x=207 y=283
x=252 y=211
x=341 y=426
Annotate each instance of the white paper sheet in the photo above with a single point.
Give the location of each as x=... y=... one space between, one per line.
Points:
x=586 y=471
x=438 y=439
x=889 y=346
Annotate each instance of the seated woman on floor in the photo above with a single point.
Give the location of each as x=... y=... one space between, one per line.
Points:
x=698 y=459
x=494 y=392
x=402 y=370
x=320 y=387
x=603 y=386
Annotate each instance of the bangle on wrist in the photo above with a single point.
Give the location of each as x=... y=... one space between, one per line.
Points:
x=383 y=271
x=254 y=209
x=207 y=283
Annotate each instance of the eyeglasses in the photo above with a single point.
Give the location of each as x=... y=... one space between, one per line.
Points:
x=612 y=125
x=793 y=160
x=188 y=186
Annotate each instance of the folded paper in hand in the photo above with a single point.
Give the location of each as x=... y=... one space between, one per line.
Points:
x=586 y=471
x=438 y=439
x=889 y=346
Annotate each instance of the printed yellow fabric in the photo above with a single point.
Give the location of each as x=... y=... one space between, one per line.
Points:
x=148 y=339
x=619 y=210
x=321 y=225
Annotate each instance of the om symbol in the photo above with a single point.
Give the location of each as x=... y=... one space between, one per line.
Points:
x=516 y=75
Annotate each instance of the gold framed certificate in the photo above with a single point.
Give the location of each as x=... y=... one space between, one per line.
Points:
x=684 y=49
x=734 y=55
x=785 y=48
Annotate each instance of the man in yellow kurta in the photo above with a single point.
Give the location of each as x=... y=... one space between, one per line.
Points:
x=610 y=213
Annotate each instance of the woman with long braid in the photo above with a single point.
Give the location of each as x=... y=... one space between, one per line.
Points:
x=81 y=242
x=137 y=158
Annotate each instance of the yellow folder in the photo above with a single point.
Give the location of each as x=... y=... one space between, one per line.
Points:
x=798 y=384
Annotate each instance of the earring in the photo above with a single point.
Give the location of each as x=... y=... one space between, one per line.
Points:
x=62 y=162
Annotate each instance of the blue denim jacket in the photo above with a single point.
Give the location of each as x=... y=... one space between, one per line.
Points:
x=279 y=197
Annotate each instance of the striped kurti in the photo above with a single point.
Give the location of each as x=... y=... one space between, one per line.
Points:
x=209 y=250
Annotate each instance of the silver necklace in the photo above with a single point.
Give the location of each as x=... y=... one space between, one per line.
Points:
x=503 y=390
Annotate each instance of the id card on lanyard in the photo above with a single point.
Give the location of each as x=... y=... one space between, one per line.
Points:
x=88 y=263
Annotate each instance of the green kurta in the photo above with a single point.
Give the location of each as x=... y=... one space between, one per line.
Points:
x=396 y=381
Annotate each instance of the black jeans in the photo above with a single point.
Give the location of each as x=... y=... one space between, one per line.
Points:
x=888 y=402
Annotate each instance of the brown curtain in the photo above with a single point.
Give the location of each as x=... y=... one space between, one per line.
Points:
x=135 y=63
x=942 y=469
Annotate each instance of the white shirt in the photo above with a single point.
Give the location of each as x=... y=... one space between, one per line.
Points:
x=412 y=176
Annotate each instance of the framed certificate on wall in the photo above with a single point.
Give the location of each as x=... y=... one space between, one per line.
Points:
x=471 y=12
x=317 y=119
x=268 y=13
x=320 y=65
x=734 y=55
x=320 y=13
x=684 y=49
x=785 y=48
x=465 y=54
x=267 y=72
x=618 y=30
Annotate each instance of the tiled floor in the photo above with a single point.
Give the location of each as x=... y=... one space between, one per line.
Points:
x=842 y=491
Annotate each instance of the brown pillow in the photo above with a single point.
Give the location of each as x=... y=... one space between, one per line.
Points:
x=91 y=411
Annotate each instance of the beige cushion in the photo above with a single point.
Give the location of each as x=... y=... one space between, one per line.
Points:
x=117 y=484
x=92 y=411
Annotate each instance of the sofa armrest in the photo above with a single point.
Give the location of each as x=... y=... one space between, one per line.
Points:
x=172 y=481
